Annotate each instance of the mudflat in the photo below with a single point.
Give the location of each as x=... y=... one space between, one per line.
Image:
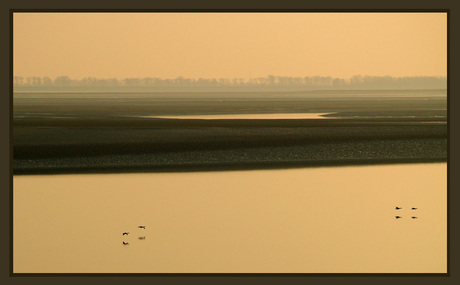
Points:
x=69 y=133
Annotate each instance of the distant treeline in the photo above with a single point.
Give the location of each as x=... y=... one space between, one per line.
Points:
x=277 y=82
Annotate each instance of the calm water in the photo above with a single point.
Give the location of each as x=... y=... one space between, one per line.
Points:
x=332 y=219
x=247 y=116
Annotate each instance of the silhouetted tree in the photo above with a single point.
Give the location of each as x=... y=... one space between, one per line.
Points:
x=62 y=81
x=321 y=82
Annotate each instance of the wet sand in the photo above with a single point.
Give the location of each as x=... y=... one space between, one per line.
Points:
x=94 y=132
x=188 y=145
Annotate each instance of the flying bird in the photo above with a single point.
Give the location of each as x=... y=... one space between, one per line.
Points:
x=414 y=208
x=125 y=243
x=414 y=218
x=125 y=233
x=141 y=227
x=398 y=217
x=141 y=237
x=397 y=208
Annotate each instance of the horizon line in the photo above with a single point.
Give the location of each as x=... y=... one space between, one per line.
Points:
x=246 y=78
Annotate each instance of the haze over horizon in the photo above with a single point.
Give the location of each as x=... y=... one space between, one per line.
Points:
x=229 y=45
x=269 y=83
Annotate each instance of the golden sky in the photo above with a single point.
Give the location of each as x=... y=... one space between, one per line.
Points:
x=228 y=45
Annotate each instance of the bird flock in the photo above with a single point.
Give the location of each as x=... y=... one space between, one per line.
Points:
x=127 y=233
x=400 y=208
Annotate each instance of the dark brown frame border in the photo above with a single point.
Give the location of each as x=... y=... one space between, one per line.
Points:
x=11 y=11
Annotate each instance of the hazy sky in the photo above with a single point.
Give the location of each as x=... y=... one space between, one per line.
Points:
x=215 y=45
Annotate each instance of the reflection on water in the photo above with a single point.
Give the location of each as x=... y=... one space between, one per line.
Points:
x=334 y=219
x=246 y=116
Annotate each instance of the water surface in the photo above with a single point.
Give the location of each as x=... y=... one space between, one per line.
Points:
x=311 y=220
x=246 y=116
